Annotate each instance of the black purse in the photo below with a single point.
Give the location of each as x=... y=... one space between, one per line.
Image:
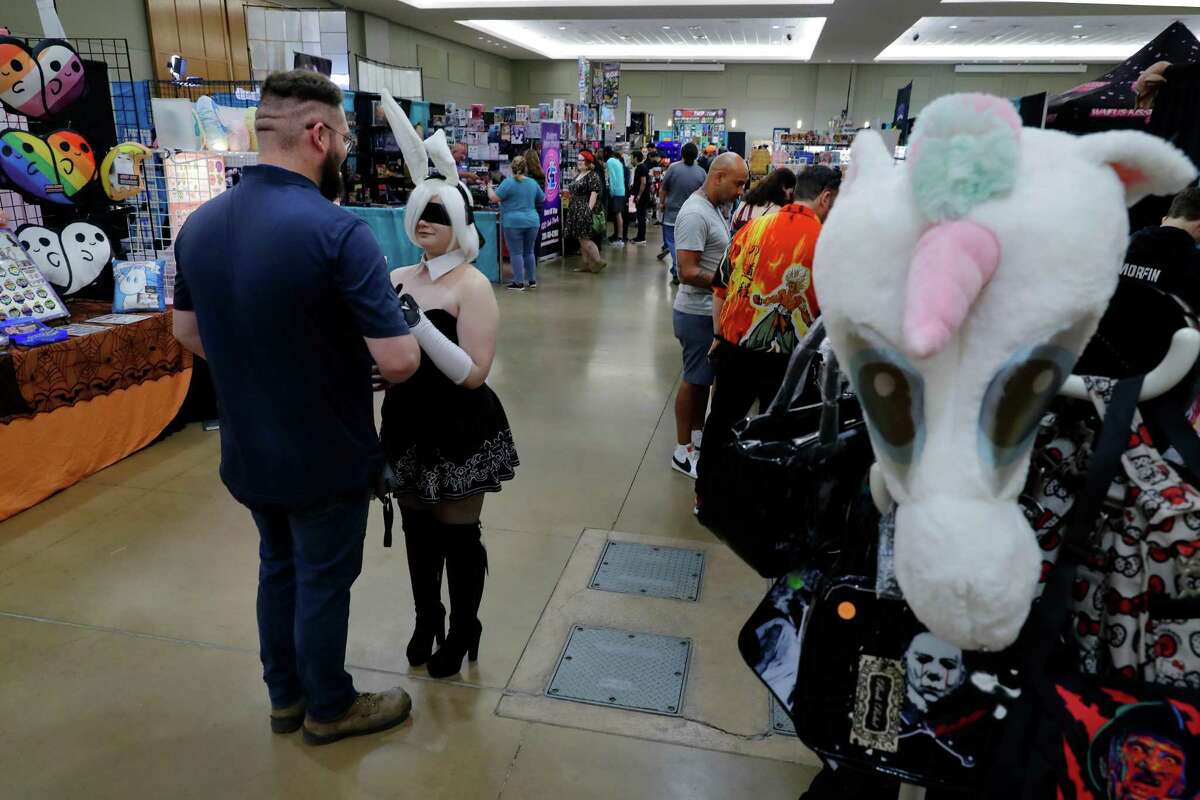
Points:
x=1080 y=736
x=779 y=492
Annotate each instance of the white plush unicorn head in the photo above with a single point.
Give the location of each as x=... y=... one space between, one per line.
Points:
x=958 y=290
x=444 y=185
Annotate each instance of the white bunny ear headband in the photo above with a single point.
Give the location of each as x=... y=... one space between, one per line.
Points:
x=443 y=183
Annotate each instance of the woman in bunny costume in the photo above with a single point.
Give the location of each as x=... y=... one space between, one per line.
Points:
x=444 y=431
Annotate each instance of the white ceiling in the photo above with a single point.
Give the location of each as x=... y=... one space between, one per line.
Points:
x=841 y=31
x=755 y=39
x=1065 y=38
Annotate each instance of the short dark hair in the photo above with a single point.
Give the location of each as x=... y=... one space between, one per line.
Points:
x=689 y=153
x=1186 y=205
x=772 y=189
x=814 y=180
x=608 y=152
x=302 y=86
x=637 y=156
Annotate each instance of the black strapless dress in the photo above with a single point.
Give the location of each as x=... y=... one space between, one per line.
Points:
x=446 y=442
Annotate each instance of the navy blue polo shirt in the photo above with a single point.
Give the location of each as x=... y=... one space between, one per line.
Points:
x=285 y=285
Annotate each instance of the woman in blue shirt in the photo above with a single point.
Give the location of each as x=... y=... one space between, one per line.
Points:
x=519 y=196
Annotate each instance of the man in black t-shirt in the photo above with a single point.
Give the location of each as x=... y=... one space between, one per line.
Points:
x=1166 y=256
x=641 y=190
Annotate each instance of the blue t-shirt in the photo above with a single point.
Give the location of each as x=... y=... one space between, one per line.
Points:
x=285 y=285
x=518 y=201
x=616 y=177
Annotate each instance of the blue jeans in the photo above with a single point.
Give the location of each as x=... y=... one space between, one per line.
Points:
x=669 y=241
x=308 y=561
x=522 y=249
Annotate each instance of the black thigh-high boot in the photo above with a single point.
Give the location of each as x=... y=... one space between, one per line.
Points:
x=466 y=566
x=423 y=541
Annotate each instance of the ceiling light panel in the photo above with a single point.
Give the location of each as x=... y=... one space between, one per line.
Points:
x=762 y=39
x=457 y=5
x=1050 y=39
x=1155 y=3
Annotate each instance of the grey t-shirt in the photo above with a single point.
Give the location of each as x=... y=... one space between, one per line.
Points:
x=700 y=226
x=679 y=183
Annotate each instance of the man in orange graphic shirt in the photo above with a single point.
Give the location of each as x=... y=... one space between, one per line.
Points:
x=764 y=301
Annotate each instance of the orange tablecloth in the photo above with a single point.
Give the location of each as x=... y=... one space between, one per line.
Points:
x=52 y=451
x=77 y=406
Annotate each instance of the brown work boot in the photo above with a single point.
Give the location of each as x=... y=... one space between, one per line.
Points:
x=287 y=720
x=370 y=713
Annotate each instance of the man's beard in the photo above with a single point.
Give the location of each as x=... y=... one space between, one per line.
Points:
x=331 y=179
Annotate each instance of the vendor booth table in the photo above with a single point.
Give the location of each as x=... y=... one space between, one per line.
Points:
x=70 y=409
x=388 y=226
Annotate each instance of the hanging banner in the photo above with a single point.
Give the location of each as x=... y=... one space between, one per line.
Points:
x=611 y=84
x=585 y=81
x=550 y=236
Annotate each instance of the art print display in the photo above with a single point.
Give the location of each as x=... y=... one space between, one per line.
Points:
x=24 y=291
x=41 y=81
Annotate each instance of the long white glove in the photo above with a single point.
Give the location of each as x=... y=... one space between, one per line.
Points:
x=451 y=359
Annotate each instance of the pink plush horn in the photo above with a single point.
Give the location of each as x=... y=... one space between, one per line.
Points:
x=952 y=263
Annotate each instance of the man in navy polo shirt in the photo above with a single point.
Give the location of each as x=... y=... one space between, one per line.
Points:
x=288 y=298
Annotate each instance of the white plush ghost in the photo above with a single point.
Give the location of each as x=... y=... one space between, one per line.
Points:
x=958 y=289
x=45 y=250
x=88 y=252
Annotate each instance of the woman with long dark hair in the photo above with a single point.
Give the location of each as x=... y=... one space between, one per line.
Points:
x=766 y=197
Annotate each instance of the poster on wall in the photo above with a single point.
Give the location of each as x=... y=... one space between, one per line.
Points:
x=550 y=237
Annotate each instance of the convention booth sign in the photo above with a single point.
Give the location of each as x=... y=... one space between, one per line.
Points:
x=550 y=237
x=1109 y=102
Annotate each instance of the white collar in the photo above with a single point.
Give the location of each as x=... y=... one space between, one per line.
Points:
x=444 y=263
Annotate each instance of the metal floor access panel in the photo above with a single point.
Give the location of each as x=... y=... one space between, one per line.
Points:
x=622 y=669
x=649 y=571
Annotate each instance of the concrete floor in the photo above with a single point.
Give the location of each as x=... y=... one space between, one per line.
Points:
x=128 y=651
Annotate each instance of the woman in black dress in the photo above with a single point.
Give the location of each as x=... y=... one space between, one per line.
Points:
x=444 y=431
x=586 y=191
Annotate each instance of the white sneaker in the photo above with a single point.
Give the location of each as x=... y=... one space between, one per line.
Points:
x=618 y=243
x=686 y=465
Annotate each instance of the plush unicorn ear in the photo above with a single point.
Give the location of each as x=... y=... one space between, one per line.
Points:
x=1145 y=164
x=443 y=159
x=868 y=155
x=411 y=147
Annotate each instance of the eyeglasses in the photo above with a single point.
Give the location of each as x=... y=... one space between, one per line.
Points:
x=346 y=137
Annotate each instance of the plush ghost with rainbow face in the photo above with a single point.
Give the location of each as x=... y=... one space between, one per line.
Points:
x=444 y=184
x=958 y=289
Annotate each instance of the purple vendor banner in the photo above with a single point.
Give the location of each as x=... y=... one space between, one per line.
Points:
x=550 y=238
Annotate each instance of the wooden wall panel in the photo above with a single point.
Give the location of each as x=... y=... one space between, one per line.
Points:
x=212 y=13
x=210 y=34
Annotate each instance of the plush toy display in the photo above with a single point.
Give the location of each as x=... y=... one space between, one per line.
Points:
x=444 y=184
x=50 y=170
x=41 y=82
x=121 y=170
x=958 y=289
x=139 y=286
x=70 y=260
x=216 y=135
